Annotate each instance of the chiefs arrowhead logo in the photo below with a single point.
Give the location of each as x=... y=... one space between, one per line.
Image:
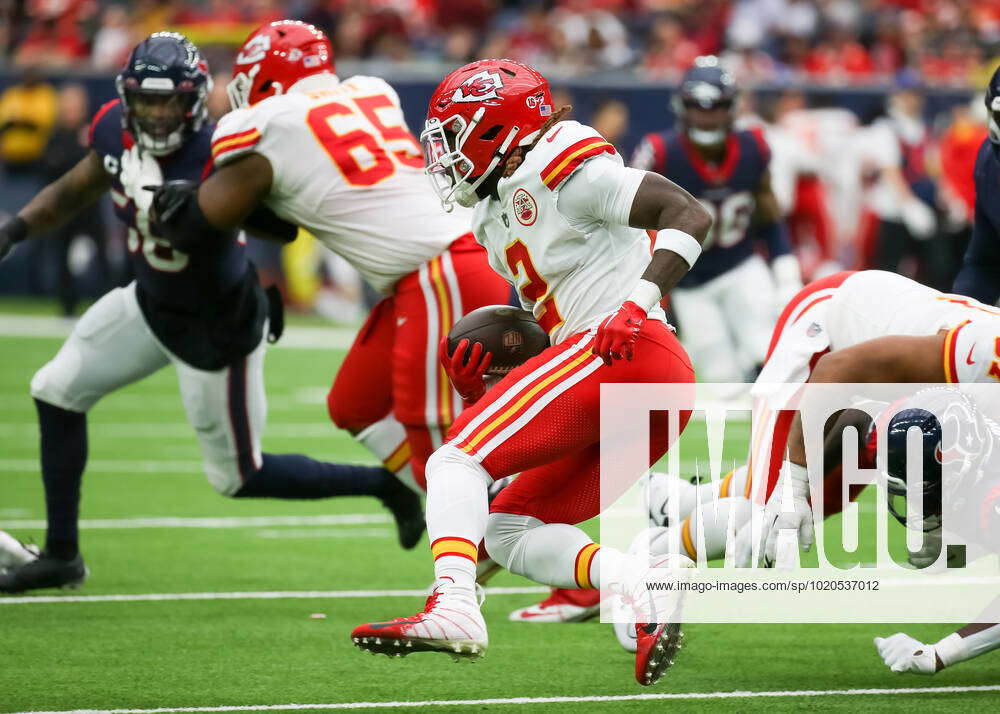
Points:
x=255 y=50
x=480 y=86
x=525 y=208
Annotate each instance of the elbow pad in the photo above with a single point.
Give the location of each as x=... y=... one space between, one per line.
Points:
x=178 y=218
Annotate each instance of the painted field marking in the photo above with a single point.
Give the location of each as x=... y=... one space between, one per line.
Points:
x=257 y=595
x=343 y=519
x=665 y=696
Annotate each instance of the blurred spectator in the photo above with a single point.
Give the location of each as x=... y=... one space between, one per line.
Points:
x=218 y=99
x=611 y=121
x=55 y=37
x=904 y=196
x=669 y=53
x=959 y=146
x=27 y=114
x=113 y=40
x=83 y=239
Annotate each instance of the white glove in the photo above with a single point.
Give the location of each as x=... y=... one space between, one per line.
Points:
x=800 y=519
x=918 y=218
x=902 y=653
x=140 y=169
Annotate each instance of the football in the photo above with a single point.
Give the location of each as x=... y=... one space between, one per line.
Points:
x=510 y=333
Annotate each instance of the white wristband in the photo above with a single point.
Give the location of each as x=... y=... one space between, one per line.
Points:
x=645 y=294
x=951 y=649
x=680 y=242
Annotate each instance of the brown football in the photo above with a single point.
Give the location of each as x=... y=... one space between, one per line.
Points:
x=510 y=333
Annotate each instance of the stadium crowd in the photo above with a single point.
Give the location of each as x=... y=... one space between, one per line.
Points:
x=827 y=41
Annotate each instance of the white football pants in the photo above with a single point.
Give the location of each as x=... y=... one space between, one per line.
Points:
x=112 y=346
x=726 y=323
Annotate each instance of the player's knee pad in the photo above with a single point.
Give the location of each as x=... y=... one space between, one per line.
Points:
x=448 y=457
x=46 y=386
x=504 y=537
x=224 y=475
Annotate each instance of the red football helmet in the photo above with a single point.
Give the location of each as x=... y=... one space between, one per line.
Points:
x=477 y=116
x=274 y=57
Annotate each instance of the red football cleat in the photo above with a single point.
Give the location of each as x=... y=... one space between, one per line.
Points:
x=656 y=647
x=450 y=622
x=563 y=605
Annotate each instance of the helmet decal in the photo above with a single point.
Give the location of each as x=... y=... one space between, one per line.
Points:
x=255 y=50
x=479 y=87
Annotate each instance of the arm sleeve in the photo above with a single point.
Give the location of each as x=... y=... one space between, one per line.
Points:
x=600 y=191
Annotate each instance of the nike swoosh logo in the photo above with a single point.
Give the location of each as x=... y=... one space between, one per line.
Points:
x=968 y=357
x=383 y=625
x=553 y=136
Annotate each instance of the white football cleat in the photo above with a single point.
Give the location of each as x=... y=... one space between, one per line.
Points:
x=14 y=553
x=562 y=605
x=450 y=622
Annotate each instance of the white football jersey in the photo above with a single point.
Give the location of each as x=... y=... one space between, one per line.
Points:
x=876 y=303
x=348 y=170
x=569 y=275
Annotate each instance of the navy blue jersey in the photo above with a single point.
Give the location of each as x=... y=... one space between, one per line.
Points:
x=164 y=274
x=980 y=274
x=726 y=190
x=206 y=307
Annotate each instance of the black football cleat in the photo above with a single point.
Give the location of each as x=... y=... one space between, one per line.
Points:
x=44 y=572
x=408 y=511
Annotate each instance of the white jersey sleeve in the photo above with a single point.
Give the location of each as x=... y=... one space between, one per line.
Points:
x=601 y=191
x=972 y=351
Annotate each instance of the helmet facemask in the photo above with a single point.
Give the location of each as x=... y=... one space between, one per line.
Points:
x=161 y=119
x=449 y=169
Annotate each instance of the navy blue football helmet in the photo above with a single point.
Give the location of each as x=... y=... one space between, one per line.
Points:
x=956 y=444
x=706 y=86
x=164 y=89
x=993 y=110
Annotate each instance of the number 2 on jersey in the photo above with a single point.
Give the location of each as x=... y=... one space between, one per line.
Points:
x=364 y=158
x=535 y=288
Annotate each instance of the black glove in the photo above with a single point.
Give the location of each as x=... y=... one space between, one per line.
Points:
x=176 y=216
x=13 y=231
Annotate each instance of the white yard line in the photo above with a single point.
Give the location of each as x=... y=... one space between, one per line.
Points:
x=343 y=519
x=256 y=595
x=144 y=466
x=665 y=696
x=180 y=430
x=295 y=337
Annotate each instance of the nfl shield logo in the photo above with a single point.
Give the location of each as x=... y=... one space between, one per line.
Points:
x=513 y=341
x=814 y=329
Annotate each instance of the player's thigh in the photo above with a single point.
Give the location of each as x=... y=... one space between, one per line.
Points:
x=110 y=346
x=427 y=305
x=362 y=390
x=749 y=306
x=705 y=333
x=565 y=491
x=549 y=407
x=228 y=410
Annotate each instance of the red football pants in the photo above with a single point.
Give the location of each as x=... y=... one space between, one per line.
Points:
x=543 y=421
x=392 y=367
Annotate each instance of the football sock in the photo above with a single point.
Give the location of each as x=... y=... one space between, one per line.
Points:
x=64 y=456
x=457 y=508
x=711 y=521
x=386 y=439
x=663 y=487
x=556 y=554
x=297 y=476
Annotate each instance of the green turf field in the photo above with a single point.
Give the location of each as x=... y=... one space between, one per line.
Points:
x=245 y=635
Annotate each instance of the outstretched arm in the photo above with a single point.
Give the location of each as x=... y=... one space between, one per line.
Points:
x=58 y=202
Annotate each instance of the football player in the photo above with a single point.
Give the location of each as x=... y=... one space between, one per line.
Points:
x=336 y=158
x=199 y=308
x=973 y=459
x=727 y=303
x=980 y=276
x=562 y=218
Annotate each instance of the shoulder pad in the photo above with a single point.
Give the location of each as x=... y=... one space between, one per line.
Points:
x=237 y=133
x=563 y=149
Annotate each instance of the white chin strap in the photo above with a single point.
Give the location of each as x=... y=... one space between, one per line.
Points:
x=707 y=137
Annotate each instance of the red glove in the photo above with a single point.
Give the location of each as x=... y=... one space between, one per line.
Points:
x=616 y=336
x=466 y=378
